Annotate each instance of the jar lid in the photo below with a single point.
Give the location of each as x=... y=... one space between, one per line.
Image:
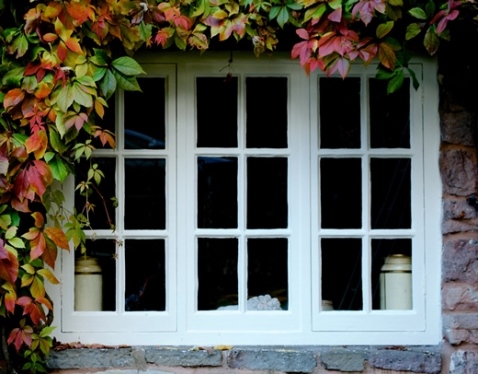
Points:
x=397 y=262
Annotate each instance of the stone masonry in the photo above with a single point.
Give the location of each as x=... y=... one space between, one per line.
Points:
x=459 y=171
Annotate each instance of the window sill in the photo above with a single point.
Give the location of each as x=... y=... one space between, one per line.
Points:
x=291 y=359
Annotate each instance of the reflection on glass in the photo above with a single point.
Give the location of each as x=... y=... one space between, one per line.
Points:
x=145 y=193
x=339 y=128
x=217 y=274
x=145 y=280
x=145 y=115
x=389 y=115
x=216 y=124
x=267 y=274
x=267 y=193
x=342 y=273
x=95 y=278
x=341 y=193
x=217 y=192
x=391 y=193
x=266 y=103
x=395 y=249
x=99 y=218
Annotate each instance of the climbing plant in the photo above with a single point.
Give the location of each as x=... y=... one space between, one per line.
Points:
x=62 y=60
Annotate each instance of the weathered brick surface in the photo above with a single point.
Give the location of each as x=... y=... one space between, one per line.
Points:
x=458 y=127
x=464 y=362
x=459 y=336
x=182 y=357
x=460 y=296
x=93 y=358
x=290 y=361
x=458 y=171
x=460 y=259
x=343 y=360
x=406 y=360
x=457 y=208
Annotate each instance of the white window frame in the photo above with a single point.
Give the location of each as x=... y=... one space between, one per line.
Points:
x=303 y=323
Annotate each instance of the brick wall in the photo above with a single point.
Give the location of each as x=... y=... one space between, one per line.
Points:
x=459 y=170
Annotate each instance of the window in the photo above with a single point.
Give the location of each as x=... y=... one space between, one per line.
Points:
x=266 y=202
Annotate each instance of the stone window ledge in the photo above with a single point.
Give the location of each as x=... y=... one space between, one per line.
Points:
x=242 y=359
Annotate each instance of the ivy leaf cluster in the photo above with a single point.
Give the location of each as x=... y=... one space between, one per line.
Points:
x=61 y=62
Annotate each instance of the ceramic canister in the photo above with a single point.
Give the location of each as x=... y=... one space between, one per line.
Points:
x=396 y=283
x=88 y=284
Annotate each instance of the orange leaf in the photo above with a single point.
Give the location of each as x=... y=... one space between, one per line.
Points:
x=39 y=219
x=37 y=246
x=37 y=143
x=50 y=253
x=57 y=236
x=13 y=98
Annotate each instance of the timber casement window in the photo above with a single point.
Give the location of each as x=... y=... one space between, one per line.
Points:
x=267 y=202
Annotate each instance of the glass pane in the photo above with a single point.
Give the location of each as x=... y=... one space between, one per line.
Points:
x=267 y=274
x=145 y=193
x=145 y=280
x=217 y=274
x=108 y=122
x=341 y=193
x=389 y=115
x=339 y=128
x=342 y=273
x=217 y=192
x=145 y=115
x=267 y=193
x=266 y=103
x=103 y=215
x=216 y=103
x=95 y=277
x=391 y=273
x=391 y=193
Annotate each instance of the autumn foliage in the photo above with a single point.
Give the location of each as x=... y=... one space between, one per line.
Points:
x=63 y=59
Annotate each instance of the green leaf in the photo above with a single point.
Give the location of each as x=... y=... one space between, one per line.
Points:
x=108 y=84
x=395 y=2
x=415 y=82
x=283 y=16
x=21 y=45
x=17 y=243
x=412 y=30
x=396 y=82
x=13 y=77
x=80 y=96
x=315 y=12
x=60 y=168
x=100 y=58
x=430 y=8
x=383 y=74
x=98 y=72
x=274 y=12
x=56 y=142
x=431 y=41
x=65 y=97
x=384 y=28
x=127 y=66
x=145 y=31
x=126 y=82
x=418 y=13
x=87 y=81
x=294 y=6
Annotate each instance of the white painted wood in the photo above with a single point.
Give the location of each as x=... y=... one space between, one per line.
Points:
x=304 y=322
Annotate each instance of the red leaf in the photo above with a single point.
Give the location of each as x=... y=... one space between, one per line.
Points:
x=8 y=264
x=13 y=98
x=31 y=308
x=22 y=188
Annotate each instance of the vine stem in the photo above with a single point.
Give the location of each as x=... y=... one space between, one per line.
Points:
x=6 y=354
